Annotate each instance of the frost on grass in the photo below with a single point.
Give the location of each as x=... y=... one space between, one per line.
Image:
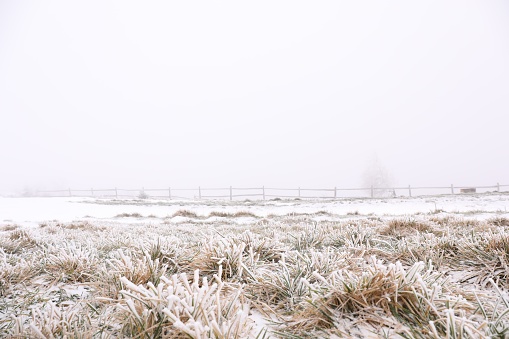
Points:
x=427 y=276
x=177 y=307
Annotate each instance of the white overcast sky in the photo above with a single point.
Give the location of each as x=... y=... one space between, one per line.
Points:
x=286 y=93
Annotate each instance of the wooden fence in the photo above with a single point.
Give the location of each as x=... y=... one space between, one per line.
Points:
x=264 y=193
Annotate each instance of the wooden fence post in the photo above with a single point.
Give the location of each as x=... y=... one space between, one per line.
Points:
x=335 y=192
x=498 y=187
x=409 y=191
x=199 y=192
x=231 y=193
x=169 y=192
x=372 y=191
x=452 y=189
x=116 y=193
x=299 y=192
x=263 y=192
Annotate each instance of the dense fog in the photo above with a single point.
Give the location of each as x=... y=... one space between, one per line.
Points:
x=283 y=93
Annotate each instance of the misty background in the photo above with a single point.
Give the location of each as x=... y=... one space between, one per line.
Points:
x=284 y=93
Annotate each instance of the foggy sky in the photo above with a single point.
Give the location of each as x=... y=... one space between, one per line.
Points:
x=287 y=93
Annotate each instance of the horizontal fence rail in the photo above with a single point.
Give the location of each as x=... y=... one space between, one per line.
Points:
x=264 y=193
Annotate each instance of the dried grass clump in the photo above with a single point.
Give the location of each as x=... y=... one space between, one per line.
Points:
x=83 y=226
x=264 y=249
x=112 y=241
x=385 y=294
x=185 y=213
x=72 y=262
x=9 y=227
x=52 y=321
x=499 y=221
x=279 y=286
x=244 y=214
x=312 y=237
x=498 y=243
x=326 y=261
x=421 y=251
x=461 y=223
x=176 y=308
x=15 y=270
x=450 y=245
x=486 y=259
x=442 y=251
x=351 y=237
x=129 y=215
x=443 y=220
x=228 y=258
x=238 y=214
x=168 y=253
x=17 y=242
x=455 y=222
x=489 y=260
x=137 y=270
x=20 y=234
x=460 y=226
x=220 y=214
x=404 y=227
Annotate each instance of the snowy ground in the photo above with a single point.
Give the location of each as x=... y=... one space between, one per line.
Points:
x=35 y=210
x=62 y=257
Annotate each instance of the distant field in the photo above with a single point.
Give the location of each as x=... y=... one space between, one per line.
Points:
x=435 y=267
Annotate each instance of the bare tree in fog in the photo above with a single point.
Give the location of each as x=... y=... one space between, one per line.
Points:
x=378 y=179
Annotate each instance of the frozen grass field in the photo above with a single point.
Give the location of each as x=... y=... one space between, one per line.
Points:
x=434 y=267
